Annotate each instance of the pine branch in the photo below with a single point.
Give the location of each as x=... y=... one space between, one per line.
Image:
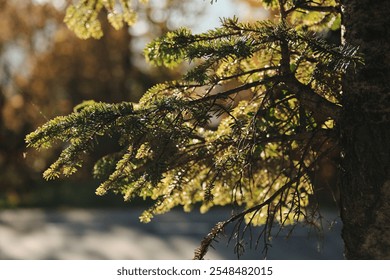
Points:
x=263 y=147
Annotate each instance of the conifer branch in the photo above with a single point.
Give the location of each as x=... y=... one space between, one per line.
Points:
x=261 y=148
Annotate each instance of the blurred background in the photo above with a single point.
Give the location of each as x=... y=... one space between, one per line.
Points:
x=44 y=72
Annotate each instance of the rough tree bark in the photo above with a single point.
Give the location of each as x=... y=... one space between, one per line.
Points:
x=365 y=132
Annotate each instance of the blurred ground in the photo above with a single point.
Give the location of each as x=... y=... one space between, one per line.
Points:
x=118 y=234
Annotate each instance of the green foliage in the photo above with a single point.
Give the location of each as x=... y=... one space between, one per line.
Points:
x=271 y=86
x=83 y=18
x=80 y=130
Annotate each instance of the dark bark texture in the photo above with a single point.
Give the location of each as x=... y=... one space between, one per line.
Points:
x=365 y=132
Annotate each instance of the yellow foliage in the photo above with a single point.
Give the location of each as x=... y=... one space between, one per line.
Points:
x=82 y=17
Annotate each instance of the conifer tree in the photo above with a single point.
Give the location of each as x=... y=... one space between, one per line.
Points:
x=248 y=124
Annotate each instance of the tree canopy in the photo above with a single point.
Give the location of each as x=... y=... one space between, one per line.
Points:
x=247 y=124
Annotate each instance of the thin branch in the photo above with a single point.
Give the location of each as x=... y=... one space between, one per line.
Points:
x=217 y=229
x=250 y=72
x=323 y=9
x=227 y=93
x=312 y=101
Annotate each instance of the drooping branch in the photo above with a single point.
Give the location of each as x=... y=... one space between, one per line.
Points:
x=202 y=250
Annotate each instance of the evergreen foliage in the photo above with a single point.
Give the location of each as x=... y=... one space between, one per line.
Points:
x=83 y=17
x=246 y=125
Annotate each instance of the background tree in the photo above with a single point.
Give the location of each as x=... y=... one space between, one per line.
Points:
x=23 y=26
x=284 y=100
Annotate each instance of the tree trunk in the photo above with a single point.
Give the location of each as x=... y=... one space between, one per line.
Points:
x=365 y=133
